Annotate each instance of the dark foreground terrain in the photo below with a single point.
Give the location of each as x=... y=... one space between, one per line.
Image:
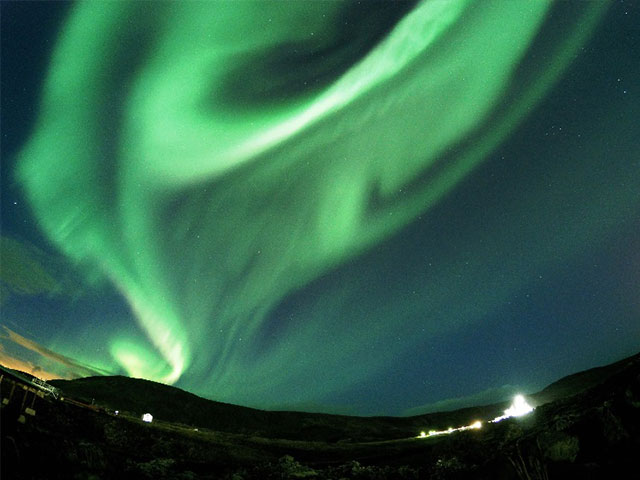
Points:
x=586 y=425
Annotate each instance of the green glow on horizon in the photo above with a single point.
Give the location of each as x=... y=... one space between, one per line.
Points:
x=206 y=211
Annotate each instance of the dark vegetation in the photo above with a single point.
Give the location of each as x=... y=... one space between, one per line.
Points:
x=586 y=425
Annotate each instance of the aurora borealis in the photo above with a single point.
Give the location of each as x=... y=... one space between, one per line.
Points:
x=329 y=204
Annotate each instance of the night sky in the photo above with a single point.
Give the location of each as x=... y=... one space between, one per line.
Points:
x=354 y=207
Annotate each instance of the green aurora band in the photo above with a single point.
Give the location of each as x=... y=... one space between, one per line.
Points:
x=210 y=159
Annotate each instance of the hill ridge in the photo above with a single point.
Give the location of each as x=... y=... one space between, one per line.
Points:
x=136 y=396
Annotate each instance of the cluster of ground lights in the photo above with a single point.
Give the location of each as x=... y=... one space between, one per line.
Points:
x=518 y=408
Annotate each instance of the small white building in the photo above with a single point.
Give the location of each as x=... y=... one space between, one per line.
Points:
x=147 y=417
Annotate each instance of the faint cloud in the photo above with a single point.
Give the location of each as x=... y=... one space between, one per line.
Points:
x=65 y=367
x=28 y=270
x=23 y=271
x=14 y=363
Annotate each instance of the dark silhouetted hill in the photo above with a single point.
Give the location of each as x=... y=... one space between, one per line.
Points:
x=170 y=404
x=581 y=381
x=593 y=431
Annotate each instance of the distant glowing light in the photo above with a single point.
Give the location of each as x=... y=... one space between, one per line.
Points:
x=147 y=417
x=518 y=408
x=432 y=433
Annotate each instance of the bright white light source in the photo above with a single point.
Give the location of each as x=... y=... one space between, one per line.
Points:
x=518 y=408
x=147 y=417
